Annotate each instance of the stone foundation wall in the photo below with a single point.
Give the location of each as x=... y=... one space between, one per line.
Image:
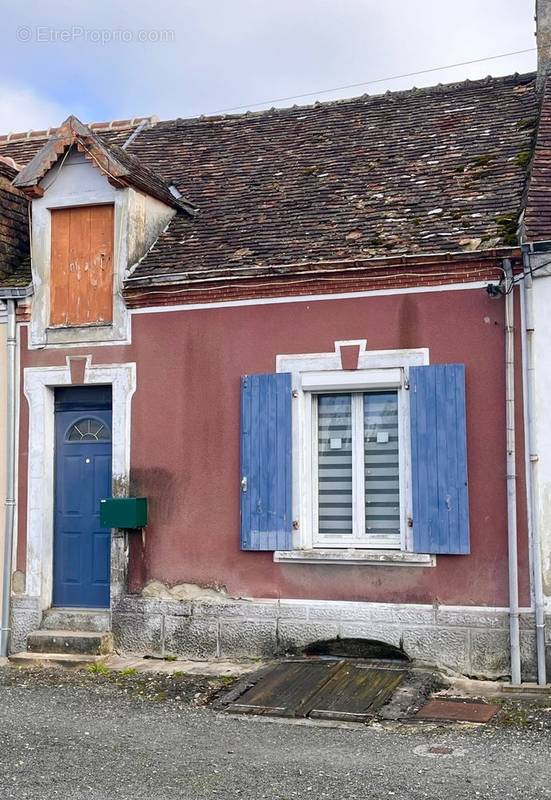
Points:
x=469 y=641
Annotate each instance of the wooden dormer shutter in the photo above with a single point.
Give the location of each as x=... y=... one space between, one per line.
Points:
x=81 y=275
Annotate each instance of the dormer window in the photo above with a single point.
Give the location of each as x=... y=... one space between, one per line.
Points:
x=96 y=211
x=82 y=265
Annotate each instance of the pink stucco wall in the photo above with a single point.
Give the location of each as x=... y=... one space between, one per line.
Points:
x=185 y=441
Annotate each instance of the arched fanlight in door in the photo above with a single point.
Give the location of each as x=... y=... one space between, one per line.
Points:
x=88 y=430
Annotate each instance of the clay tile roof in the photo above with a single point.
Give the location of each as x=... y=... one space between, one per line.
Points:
x=430 y=170
x=433 y=170
x=14 y=231
x=23 y=146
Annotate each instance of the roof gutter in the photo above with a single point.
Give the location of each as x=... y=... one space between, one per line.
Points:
x=514 y=615
x=15 y=292
x=532 y=459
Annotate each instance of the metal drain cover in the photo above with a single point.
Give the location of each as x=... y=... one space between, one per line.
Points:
x=457 y=711
x=344 y=689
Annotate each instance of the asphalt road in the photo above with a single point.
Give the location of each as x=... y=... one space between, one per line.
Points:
x=100 y=742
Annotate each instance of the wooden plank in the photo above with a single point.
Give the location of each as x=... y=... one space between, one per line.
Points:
x=453 y=413
x=286 y=690
x=59 y=272
x=81 y=277
x=356 y=691
x=100 y=308
x=79 y=264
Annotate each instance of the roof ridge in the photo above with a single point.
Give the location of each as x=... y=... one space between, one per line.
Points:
x=515 y=78
x=99 y=127
x=153 y=120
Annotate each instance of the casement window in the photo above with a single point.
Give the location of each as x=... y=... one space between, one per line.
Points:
x=370 y=459
x=356 y=469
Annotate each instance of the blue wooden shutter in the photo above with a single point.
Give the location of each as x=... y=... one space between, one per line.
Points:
x=439 y=459
x=266 y=515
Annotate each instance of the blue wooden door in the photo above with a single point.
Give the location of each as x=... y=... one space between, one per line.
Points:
x=82 y=560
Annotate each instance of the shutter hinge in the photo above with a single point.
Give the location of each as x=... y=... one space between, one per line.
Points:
x=410 y=522
x=296 y=524
x=406 y=385
x=244 y=483
x=294 y=393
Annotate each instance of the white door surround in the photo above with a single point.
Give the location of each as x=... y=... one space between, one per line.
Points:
x=39 y=385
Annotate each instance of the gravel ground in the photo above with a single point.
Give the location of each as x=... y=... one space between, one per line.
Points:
x=85 y=735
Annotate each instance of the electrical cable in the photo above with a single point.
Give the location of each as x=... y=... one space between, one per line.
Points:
x=371 y=82
x=517 y=279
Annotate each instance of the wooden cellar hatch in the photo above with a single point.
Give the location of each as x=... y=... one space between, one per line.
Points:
x=345 y=689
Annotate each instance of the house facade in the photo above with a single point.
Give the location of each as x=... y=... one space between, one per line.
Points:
x=300 y=334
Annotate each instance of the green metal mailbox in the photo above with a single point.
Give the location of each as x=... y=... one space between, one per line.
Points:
x=123 y=512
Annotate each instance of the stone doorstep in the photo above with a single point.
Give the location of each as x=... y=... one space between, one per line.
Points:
x=67 y=660
x=76 y=619
x=212 y=668
x=70 y=642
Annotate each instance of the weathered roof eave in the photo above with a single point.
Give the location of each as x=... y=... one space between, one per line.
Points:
x=16 y=292
x=321 y=267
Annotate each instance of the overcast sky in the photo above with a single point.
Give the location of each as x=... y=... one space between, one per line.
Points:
x=89 y=58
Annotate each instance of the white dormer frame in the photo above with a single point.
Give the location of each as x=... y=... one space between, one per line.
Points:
x=138 y=221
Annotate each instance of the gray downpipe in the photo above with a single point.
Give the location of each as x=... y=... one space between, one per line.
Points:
x=10 y=477
x=511 y=476
x=532 y=459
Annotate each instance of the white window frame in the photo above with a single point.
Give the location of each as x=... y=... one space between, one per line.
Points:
x=322 y=373
x=359 y=538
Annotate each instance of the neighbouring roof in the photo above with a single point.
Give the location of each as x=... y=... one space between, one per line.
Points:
x=433 y=170
x=14 y=230
x=537 y=217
